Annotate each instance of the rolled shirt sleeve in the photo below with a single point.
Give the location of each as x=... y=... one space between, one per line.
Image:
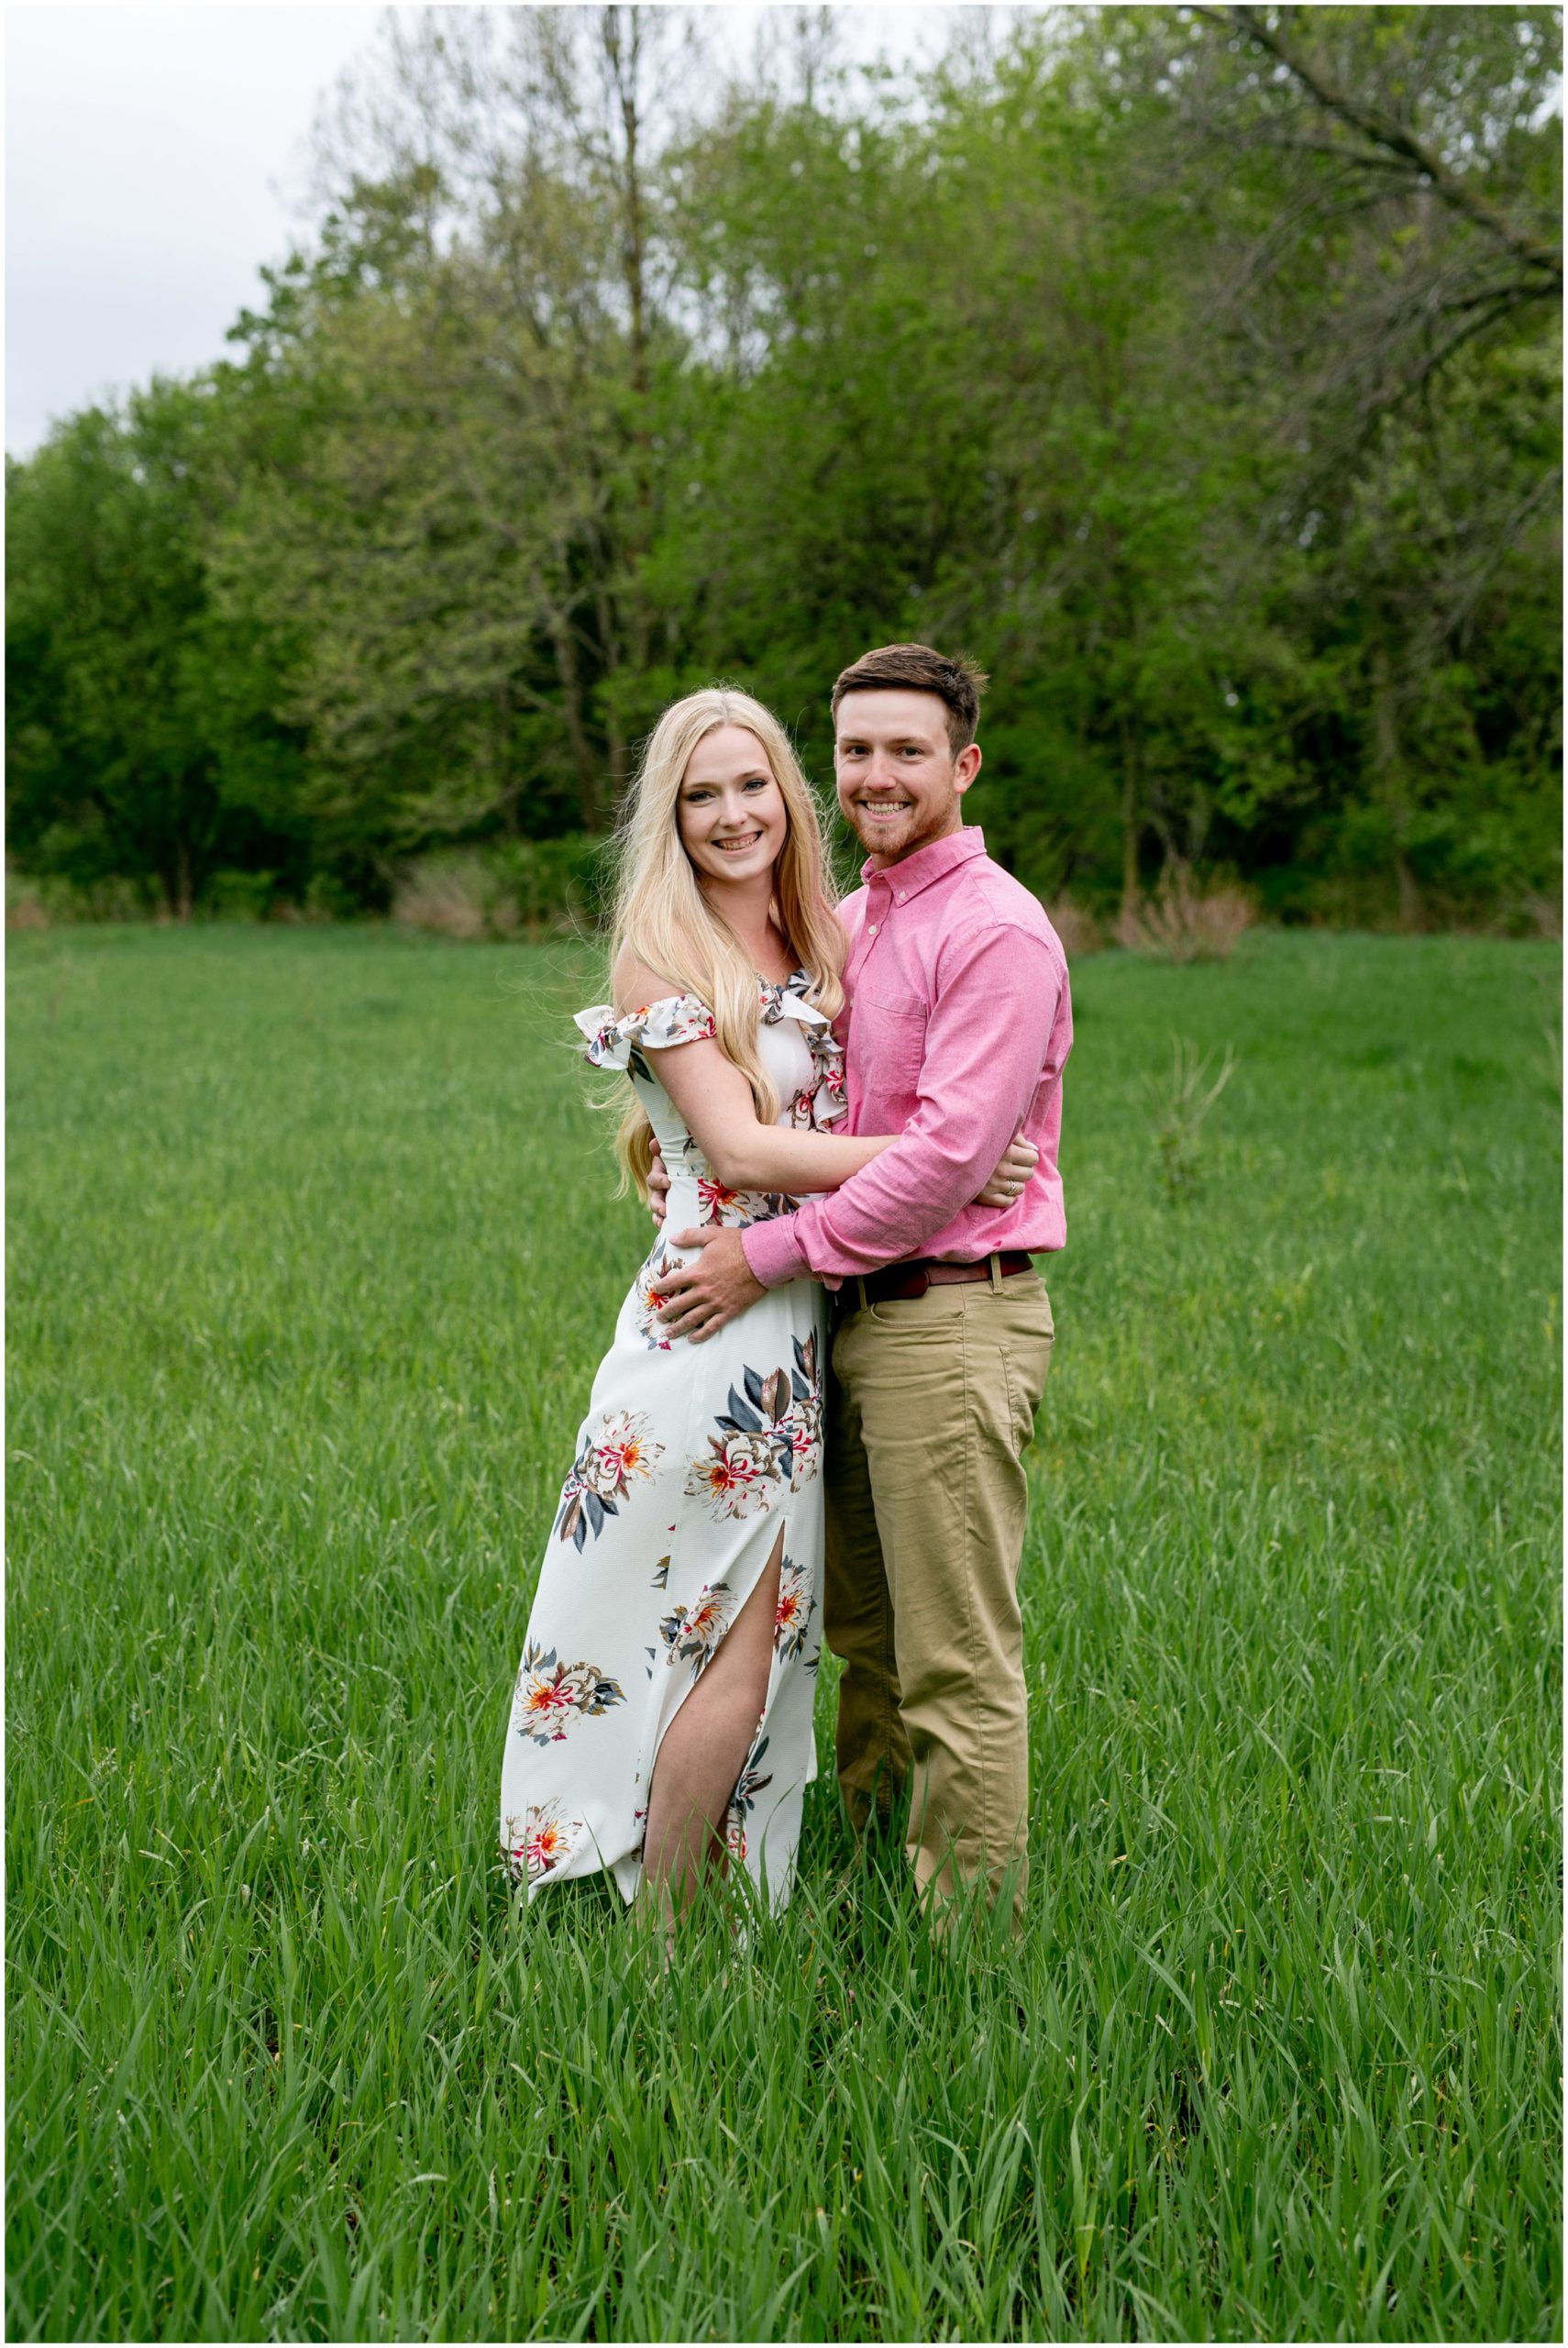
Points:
x=986 y=1040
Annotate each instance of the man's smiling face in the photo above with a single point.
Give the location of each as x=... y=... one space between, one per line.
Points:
x=901 y=782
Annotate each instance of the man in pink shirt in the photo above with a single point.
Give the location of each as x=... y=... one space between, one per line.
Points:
x=959 y=1025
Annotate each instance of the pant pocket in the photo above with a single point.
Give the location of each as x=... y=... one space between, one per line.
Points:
x=1021 y=1408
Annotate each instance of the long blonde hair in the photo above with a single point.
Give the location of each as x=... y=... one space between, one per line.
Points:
x=663 y=918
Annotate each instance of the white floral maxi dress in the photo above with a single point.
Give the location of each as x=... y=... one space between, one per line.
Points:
x=690 y=1461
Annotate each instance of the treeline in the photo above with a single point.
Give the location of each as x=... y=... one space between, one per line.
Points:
x=1197 y=371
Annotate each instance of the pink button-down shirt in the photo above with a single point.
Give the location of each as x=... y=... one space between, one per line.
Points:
x=958 y=1025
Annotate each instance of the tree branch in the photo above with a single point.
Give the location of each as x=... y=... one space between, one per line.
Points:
x=1439 y=627
x=1382 y=131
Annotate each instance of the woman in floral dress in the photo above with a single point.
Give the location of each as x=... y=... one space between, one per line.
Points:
x=662 y=1712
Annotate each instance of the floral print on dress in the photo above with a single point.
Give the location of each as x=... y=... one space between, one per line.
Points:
x=720 y=1205
x=825 y=1099
x=733 y=1210
x=619 y=1040
x=737 y=1478
x=540 y=1842
x=611 y=1039
x=768 y=1441
x=650 y=1297
x=603 y=1473
x=550 y=1695
x=749 y=1784
x=796 y=1604
x=642 y=1579
x=832 y=1088
x=691 y=1634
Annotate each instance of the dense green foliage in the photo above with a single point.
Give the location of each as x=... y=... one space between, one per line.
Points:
x=313 y=1256
x=1197 y=371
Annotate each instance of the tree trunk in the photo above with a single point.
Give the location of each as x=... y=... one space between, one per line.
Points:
x=615 y=743
x=508 y=783
x=623 y=43
x=175 y=879
x=582 y=757
x=1389 y=767
x=610 y=653
x=1132 y=814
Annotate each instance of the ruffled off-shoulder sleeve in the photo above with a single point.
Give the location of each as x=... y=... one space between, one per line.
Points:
x=654 y=1027
x=824 y=1100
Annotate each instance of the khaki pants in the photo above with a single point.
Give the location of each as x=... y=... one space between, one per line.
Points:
x=931 y=1407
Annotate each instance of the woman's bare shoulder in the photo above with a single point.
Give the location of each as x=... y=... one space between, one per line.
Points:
x=634 y=982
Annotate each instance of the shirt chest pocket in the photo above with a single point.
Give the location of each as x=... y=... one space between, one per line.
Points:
x=893 y=1038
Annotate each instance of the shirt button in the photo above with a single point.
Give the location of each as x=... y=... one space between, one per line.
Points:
x=902 y=894
x=873 y=929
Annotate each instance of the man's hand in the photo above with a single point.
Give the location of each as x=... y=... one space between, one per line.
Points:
x=704 y=1295
x=658 y=1188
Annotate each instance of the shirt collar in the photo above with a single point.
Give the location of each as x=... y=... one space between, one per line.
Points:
x=932 y=862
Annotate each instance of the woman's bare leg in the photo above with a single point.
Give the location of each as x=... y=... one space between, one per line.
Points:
x=704 y=1748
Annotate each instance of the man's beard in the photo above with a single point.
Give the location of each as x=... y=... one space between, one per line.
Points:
x=896 y=837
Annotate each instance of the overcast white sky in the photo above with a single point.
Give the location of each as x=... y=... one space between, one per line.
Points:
x=147 y=152
x=155 y=158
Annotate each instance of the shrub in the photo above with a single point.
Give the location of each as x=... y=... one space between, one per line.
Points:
x=1183 y=921
x=505 y=889
x=24 y=906
x=446 y=892
x=42 y=899
x=328 y=897
x=1539 y=915
x=1077 y=927
x=1181 y=1103
x=233 y=896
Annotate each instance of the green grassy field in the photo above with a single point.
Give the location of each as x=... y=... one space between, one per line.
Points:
x=312 y=1257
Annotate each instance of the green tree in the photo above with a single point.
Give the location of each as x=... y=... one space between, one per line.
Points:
x=127 y=709
x=1196 y=369
x=466 y=527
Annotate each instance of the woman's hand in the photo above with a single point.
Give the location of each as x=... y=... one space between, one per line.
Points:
x=1006 y=1186
x=658 y=1187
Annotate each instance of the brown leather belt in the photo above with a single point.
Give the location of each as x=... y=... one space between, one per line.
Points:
x=914 y=1277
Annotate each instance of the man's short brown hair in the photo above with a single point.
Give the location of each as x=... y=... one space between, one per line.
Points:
x=919 y=670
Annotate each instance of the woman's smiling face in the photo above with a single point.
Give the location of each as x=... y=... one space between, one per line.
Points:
x=731 y=811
